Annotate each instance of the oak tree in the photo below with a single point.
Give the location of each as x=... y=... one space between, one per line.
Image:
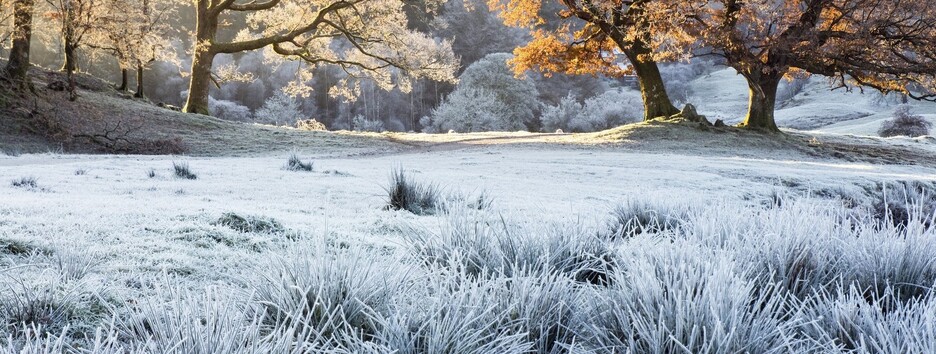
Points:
x=366 y=38
x=604 y=30
x=888 y=45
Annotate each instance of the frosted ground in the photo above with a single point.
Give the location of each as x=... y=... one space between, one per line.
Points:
x=738 y=252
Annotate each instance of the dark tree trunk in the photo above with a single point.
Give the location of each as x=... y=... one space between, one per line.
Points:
x=70 y=64
x=139 y=79
x=763 y=100
x=17 y=68
x=655 y=99
x=200 y=81
x=124 y=80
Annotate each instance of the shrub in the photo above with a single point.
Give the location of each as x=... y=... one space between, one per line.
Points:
x=295 y=164
x=362 y=124
x=281 y=109
x=310 y=125
x=251 y=224
x=406 y=194
x=489 y=97
x=607 y=110
x=26 y=183
x=905 y=123
x=183 y=171
x=229 y=110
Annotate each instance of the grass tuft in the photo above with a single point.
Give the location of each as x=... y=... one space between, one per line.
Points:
x=295 y=164
x=26 y=183
x=183 y=171
x=250 y=224
x=406 y=194
x=638 y=217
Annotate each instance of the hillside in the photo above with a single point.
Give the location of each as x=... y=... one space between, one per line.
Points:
x=106 y=121
x=723 y=94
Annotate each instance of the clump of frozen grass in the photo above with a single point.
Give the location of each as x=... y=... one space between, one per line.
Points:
x=330 y=298
x=296 y=164
x=637 y=217
x=849 y=321
x=404 y=193
x=26 y=183
x=17 y=247
x=250 y=224
x=214 y=322
x=680 y=300
x=478 y=245
x=549 y=308
x=74 y=264
x=33 y=340
x=183 y=171
x=902 y=203
x=452 y=315
x=48 y=304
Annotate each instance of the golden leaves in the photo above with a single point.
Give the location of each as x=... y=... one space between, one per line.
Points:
x=559 y=52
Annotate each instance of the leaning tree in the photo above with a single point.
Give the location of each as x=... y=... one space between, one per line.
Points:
x=602 y=31
x=888 y=45
x=366 y=38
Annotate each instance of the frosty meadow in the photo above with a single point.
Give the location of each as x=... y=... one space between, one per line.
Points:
x=467 y=176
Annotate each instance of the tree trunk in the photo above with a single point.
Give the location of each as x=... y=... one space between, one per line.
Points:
x=124 y=80
x=69 y=65
x=139 y=79
x=655 y=99
x=17 y=68
x=763 y=101
x=200 y=80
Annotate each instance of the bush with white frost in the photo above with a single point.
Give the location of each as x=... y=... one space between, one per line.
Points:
x=488 y=98
x=229 y=110
x=608 y=110
x=281 y=109
x=905 y=123
x=363 y=124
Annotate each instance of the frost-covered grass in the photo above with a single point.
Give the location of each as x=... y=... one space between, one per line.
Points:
x=580 y=254
x=802 y=277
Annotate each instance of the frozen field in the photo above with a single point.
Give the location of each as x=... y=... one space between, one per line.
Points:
x=120 y=250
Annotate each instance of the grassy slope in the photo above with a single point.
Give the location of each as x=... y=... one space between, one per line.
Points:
x=24 y=118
